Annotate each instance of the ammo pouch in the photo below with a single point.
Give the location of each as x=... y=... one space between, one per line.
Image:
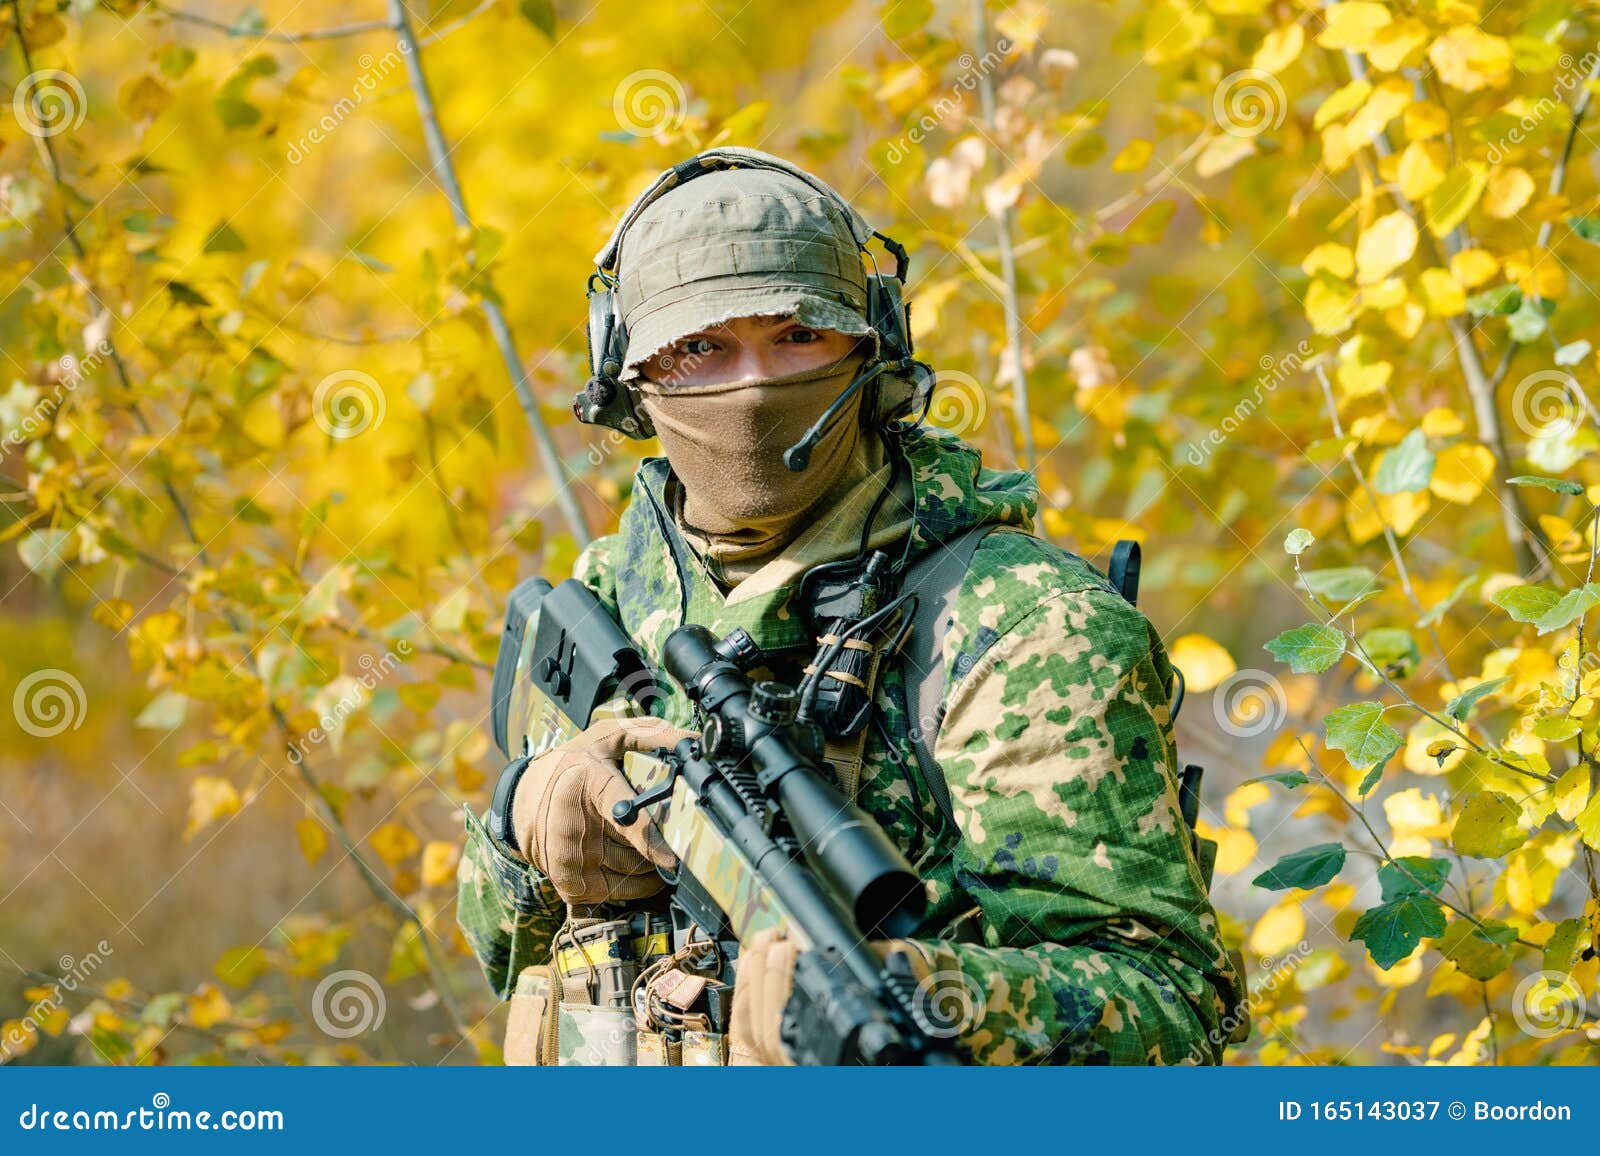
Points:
x=578 y=1010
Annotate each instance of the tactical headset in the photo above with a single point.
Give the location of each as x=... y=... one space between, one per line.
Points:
x=607 y=400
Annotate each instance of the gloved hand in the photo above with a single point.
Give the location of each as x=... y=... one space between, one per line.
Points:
x=765 y=982
x=561 y=815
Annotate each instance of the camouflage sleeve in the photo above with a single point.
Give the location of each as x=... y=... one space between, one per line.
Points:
x=1100 y=944
x=506 y=909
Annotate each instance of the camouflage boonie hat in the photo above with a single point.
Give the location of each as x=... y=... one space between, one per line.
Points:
x=741 y=242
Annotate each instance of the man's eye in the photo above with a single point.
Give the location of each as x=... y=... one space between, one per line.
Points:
x=695 y=347
x=802 y=336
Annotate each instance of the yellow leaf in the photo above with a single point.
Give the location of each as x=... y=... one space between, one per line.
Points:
x=1461 y=471
x=1509 y=189
x=1440 y=422
x=394 y=842
x=1441 y=293
x=439 y=861
x=1387 y=101
x=1331 y=257
x=210 y=798
x=1341 y=103
x=1281 y=927
x=1536 y=273
x=1352 y=26
x=1469 y=59
x=1572 y=792
x=1472 y=267
x=1174 y=30
x=1395 y=44
x=1133 y=157
x=208 y=1006
x=1449 y=204
x=1403 y=511
x=1204 y=663
x=1279 y=49
x=1426 y=120
x=1414 y=820
x=1588 y=823
x=1385 y=245
x=1422 y=168
x=313 y=838
x=1236 y=807
x=1330 y=306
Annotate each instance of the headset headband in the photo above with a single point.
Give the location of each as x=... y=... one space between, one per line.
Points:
x=730 y=157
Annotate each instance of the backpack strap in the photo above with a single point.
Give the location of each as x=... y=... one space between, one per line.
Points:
x=936 y=576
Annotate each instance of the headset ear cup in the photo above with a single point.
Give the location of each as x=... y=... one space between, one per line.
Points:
x=886 y=313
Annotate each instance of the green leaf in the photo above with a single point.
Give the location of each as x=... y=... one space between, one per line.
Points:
x=1308 y=649
x=1489 y=826
x=1311 y=867
x=1461 y=706
x=1392 y=649
x=1559 y=485
x=1371 y=778
x=1412 y=874
x=1406 y=468
x=1290 y=779
x=1339 y=583
x=235 y=112
x=1561 y=949
x=1492 y=302
x=40 y=551
x=1477 y=950
x=1572 y=605
x=1360 y=732
x=1527 y=602
x=1572 y=353
x=1392 y=930
x=541 y=14
x=165 y=712
x=1587 y=227
x=1298 y=542
x=223 y=239
x=1528 y=322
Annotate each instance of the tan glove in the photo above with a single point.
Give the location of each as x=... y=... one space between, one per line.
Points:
x=762 y=989
x=561 y=815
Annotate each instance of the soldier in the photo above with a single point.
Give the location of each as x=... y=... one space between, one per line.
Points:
x=1069 y=916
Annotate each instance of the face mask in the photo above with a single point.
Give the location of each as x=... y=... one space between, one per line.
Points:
x=725 y=442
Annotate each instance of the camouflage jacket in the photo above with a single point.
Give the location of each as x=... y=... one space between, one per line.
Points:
x=1098 y=942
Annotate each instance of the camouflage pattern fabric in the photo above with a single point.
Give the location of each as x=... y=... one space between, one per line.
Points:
x=1098 y=942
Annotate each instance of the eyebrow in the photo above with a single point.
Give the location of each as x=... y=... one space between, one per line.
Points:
x=769 y=320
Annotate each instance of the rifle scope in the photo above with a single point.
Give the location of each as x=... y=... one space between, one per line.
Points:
x=754 y=724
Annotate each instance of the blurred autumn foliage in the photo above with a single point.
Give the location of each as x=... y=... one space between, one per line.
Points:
x=292 y=311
